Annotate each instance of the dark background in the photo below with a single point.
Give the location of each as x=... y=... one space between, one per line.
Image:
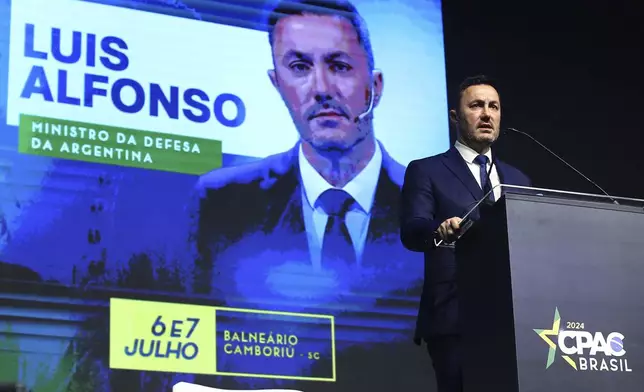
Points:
x=570 y=74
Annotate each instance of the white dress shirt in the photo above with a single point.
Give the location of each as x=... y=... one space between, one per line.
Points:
x=469 y=155
x=362 y=188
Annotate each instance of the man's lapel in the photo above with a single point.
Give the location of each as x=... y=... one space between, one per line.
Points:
x=384 y=212
x=384 y=220
x=285 y=211
x=456 y=164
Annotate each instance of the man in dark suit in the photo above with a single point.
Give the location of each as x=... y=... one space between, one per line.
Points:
x=314 y=227
x=437 y=191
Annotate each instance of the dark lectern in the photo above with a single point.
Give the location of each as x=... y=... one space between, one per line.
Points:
x=551 y=294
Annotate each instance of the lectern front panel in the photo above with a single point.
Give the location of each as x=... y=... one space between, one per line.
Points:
x=577 y=275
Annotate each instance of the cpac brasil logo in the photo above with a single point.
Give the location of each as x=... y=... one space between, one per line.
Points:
x=583 y=350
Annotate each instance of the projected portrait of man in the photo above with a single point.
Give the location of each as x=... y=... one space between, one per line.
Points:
x=317 y=223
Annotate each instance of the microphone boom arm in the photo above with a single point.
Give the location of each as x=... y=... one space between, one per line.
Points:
x=564 y=162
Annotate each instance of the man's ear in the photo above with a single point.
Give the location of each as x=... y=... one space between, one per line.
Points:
x=273 y=77
x=453 y=117
x=378 y=86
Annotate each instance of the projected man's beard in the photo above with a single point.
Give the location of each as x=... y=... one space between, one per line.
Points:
x=328 y=127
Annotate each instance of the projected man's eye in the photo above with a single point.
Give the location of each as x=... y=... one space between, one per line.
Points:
x=340 y=67
x=300 y=67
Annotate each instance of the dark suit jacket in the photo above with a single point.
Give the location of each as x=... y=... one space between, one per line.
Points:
x=435 y=189
x=250 y=217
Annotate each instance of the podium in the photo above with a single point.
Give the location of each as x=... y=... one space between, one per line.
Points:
x=551 y=293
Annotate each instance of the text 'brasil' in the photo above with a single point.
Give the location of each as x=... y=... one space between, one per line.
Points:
x=584 y=350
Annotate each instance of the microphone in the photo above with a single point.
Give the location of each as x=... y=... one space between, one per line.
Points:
x=562 y=160
x=364 y=114
x=372 y=98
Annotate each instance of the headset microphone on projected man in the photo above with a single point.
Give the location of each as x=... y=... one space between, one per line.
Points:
x=371 y=103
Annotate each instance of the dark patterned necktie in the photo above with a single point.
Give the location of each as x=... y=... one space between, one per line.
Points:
x=336 y=244
x=482 y=161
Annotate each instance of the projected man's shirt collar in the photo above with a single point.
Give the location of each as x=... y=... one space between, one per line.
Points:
x=362 y=187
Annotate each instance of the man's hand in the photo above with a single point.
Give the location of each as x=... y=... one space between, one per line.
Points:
x=449 y=230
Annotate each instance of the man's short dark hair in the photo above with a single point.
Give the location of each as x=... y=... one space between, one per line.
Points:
x=342 y=8
x=473 y=81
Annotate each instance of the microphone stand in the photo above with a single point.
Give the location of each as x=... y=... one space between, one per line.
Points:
x=562 y=160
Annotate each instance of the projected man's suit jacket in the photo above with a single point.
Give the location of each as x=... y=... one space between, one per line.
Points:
x=252 y=248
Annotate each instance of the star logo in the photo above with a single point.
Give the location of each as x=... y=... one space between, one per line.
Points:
x=554 y=332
